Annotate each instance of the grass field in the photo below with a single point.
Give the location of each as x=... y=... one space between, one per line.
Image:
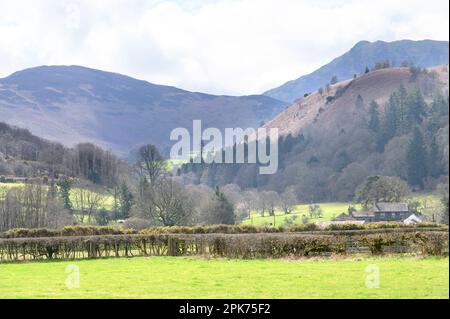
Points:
x=330 y=210
x=178 y=277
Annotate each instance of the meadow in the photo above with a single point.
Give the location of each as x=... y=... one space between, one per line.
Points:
x=330 y=210
x=187 y=277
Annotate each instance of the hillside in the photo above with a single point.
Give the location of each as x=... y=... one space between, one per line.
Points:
x=72 y=104
x=314 y=114
x=333 y=139
x=364 y=54
x=24 y=156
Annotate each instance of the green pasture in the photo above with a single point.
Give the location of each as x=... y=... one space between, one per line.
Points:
x=184 y=277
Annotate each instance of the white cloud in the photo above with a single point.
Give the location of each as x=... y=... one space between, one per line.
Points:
x=216 y=46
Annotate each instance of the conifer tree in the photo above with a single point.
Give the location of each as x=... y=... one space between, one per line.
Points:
x=416 y=159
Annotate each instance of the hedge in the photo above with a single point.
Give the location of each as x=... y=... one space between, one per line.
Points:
x=65 y=231
x=252 y=245
x=207 y=229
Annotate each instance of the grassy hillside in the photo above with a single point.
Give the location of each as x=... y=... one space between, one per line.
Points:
x=196 y=278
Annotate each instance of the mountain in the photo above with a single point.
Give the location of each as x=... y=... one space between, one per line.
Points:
x=72 y=104
x=331 y=140
x=364 y=54
x=315 y=115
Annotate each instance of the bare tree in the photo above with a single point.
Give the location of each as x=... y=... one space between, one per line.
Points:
x=150 y=163
x=171 y=204
x=288 y=199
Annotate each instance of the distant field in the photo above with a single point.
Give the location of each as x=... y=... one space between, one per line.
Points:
x=330 y=210
x=179 y=277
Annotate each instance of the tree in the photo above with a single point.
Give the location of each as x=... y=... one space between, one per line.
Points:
x=126 y=200
x=388 y=189
x=87 y=202
x=315 y=211
x=391 y=119
x=102 y=217
x=171 y=204
x=443 y=191
x=222 y=210
x=359 y=102
x=65 y=184
x=272 y=199
x=417 y=108
x=404 y=119
x=250 y=201
x=374 y=117
x=416 y=158
x=334 y=80
x=150 y=163
x=433 y=160
x=288 y=199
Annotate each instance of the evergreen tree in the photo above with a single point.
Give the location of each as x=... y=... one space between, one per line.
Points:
x=359 y=102
x=374 y=117
x=390 y=119
x=125 y=201
x=416 y=159
x=433 y=159
x=416 y=107
x=439 y=106
x=222 y=211
x=334 y=80
x=404 y=122
x=65 y=184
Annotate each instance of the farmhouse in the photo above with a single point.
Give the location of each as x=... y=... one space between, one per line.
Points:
x=381 y=212
x=384 y=212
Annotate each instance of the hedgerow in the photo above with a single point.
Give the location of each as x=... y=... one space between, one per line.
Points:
x=250 y=245
x=65 y=231
x=208 y=229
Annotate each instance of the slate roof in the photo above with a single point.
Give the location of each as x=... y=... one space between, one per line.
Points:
x=390 y=207
x=363 y=214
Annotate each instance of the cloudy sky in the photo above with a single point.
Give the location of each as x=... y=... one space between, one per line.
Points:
x=214 y=46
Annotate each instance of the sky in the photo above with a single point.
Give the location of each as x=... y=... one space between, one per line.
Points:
x=235 y=47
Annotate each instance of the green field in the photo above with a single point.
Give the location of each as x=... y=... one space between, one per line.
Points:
x=330 y=210
x=183 y=277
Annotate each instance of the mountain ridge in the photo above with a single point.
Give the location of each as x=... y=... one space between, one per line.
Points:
x=72 y=104
x=424 y=53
